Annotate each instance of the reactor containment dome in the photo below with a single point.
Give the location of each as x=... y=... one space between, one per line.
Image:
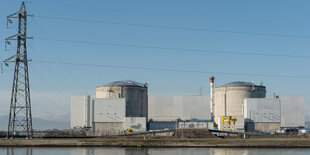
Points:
x=135 y=94
x=229 y=98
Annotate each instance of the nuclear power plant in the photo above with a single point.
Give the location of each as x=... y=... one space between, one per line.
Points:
x=124 y=106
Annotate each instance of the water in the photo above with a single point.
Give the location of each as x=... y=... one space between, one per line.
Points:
x=148 y=151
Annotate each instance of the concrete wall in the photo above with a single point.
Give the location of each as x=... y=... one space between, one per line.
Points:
x=268 y=127
x=81 y=111
x=170 y=108
x=109 y=128
x=228 y=100
x=261 y=110
x=292 y=111
x=109 y=110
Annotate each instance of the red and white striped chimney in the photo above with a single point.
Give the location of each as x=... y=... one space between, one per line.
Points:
x=211 y=97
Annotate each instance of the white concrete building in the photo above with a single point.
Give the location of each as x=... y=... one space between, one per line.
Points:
x=109 y=116
x=109 y=110
x=81 y=111
x=106 y=116
x=262 y=114
x=292 y=111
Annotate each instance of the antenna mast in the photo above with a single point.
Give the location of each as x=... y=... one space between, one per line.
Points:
x=20 y=119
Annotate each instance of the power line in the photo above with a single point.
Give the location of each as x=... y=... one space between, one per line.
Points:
x=60 y=59
x=177 y=49
x=175 y=70
x=49 y=99
x=176 y=27
x=51 y=85
x=48 y=81
x=54 y=73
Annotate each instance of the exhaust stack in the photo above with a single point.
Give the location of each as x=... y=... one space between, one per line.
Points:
x=211 y=97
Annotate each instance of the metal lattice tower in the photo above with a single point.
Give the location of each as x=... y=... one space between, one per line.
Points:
x=20 y=119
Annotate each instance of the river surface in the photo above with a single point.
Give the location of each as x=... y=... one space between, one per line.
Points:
x=148 y=151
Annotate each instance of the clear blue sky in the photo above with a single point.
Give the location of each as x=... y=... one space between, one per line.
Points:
x=121 y=23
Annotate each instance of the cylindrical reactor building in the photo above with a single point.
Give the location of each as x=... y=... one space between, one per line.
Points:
x=135 y=95
x=228 y=98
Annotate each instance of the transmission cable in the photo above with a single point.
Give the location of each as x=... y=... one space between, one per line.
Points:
x=187 y=50
x=54 y=73
x=175 y=27
x=59 y=58
x=48 y=82
x=49 y=99
x=175 y=70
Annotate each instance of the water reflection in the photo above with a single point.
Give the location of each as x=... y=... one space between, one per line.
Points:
x=19 y=151
x=146 y=151
x=111 y=150
x=186 y=151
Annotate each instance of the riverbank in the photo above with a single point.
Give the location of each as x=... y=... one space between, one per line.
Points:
x=160 y=142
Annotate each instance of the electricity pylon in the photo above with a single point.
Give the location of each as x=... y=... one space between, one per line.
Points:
x=20 y=119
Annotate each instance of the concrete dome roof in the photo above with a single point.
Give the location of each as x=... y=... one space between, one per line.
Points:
x=125 y=83
x=239 y=83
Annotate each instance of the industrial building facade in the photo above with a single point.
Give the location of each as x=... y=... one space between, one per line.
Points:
x=292 y=111
x=239 y=106
x=82 y=111
x=262 y=114
x=171 y=108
